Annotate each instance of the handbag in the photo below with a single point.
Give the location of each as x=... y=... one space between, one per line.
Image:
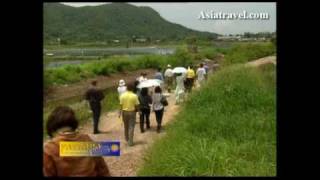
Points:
x=164 y=101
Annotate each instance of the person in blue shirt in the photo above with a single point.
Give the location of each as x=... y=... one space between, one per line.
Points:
x=159 y=75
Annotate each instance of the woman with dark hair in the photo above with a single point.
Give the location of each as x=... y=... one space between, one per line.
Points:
x=145 y=102
x=135 y=88
x=61 y=126
x=157 y=106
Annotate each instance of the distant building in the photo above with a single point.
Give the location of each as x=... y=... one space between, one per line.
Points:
x=141 y=40
x=228 y=38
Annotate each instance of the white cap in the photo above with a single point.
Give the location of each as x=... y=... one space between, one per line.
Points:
x=122 y=83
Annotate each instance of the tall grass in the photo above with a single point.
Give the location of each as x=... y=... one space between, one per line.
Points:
x=244 y=52
x=225 y=129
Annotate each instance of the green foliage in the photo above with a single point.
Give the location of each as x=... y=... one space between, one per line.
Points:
x=182 y=58
x=241 y=53
x=228 y=128
x=208 y=52
x=105 y=67
x=274 y=41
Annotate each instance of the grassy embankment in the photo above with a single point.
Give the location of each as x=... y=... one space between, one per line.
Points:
x=228 y=128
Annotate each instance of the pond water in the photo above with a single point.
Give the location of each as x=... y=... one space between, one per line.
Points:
x=99 y=52
x=108 y=51
x=61 y=63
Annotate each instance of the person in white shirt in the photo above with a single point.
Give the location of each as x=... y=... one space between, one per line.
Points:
x=180 y=89
x=122 y=88
x=157 y=106
x=168 y=76
x=142 y=77
x=201 y=72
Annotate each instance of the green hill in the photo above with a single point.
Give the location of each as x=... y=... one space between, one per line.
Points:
x=108 y=22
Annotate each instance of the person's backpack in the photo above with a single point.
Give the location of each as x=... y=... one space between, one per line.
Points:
x=164 y=101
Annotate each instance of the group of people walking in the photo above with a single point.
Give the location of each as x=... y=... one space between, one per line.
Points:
x=185 y=82
x=144 y=101
x=62 y=123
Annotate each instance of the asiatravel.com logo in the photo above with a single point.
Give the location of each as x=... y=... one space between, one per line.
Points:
x=75 y=148
x=244 y=15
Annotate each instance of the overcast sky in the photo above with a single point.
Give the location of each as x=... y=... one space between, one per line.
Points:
x=187 y=15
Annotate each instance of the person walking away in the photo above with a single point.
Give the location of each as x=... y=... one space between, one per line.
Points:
x=62 y=126
x=206 y=67
x=190 y=79
x=122 y=88
x=135 y=88
x=159 y=75
x=145 y=102
x=129 y=105
x=201 y=72
x=179 y=92
x=95 y=96
x=168 y=75
x=158 y=106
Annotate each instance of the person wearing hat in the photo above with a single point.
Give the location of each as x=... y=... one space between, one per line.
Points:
x=168 y=76
x=122 y=87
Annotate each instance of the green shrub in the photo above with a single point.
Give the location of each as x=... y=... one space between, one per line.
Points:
x=241 y=53
x=209 y=53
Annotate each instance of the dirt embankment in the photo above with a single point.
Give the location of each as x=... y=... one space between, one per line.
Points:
x=60 y=92
x=262 y=61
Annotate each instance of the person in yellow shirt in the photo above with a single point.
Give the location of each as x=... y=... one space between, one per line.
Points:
x=190 y=79
x=129 y=105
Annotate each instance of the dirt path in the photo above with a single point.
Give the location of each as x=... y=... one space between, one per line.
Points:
x=262 y=61
x=131 y=157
